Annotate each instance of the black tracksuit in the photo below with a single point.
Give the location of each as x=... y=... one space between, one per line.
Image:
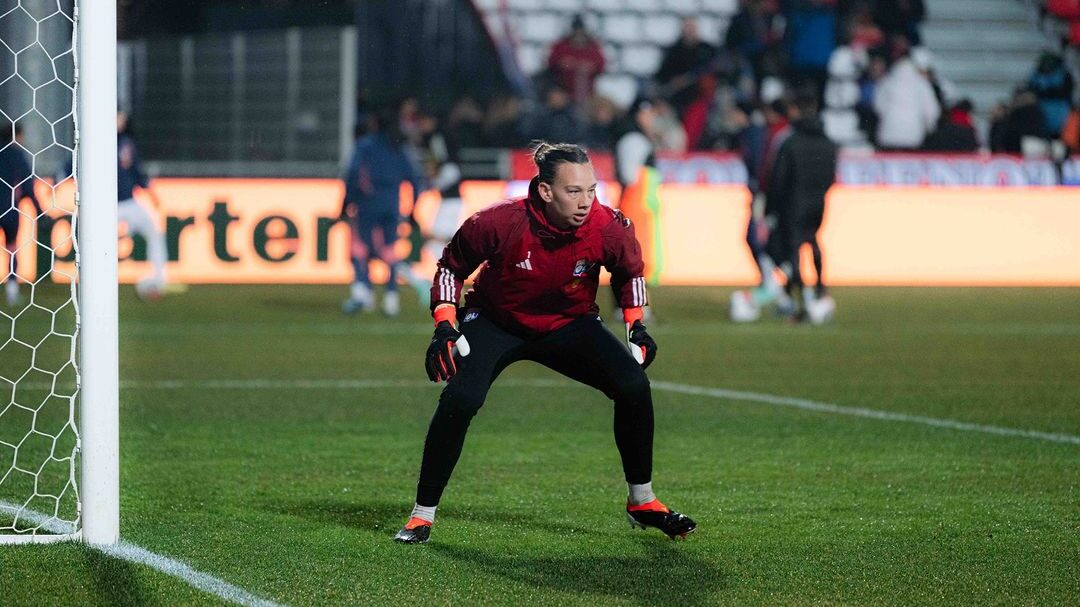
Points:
x=804 y=170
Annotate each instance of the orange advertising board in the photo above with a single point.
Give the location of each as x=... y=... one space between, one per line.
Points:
x=286 y=231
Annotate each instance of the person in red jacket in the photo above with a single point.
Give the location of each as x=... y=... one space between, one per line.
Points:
x=575 y=62
x=535 y=299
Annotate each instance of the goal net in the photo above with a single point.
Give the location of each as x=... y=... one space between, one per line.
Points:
x=42 y=317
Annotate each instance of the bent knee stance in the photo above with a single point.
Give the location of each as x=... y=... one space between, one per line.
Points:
x=633 y=390
x=457 y=399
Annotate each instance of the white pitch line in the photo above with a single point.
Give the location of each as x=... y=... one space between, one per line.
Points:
x=137 y=554
x=809 y=405
x=721 y=393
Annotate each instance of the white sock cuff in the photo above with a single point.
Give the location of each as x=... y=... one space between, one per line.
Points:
x=426 y=513
x=640 y=494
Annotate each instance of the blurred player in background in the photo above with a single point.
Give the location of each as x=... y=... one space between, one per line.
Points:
x=16 y=183
x=372 y=205
x=746 y=306
x=535 y=299
x=803 y=172
x=139 y=220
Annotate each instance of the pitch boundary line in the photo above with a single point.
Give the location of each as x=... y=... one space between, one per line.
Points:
x=137 y=554
x=720 y=393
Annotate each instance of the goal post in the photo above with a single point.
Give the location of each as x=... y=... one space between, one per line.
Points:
x=59 y=376
x=95 y=32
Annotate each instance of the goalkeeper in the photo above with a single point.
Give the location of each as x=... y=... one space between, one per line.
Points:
x=535 y=299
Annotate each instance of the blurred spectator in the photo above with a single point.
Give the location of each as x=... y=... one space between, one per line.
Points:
x=576 y=60
x=1020 y=119
x=1053 y=85
x=600 y=133
x=754 y=35
x=955 y=131
x=683 y=64
x=465 y=124
x=871 y=79
x=864 y=35
x=811 y=38
x=557 y=121
x=906 y=106
x=945 y=91
x=634 y=149
x=1070 y=133
x=670 y=135
x=502 y=126
x=696 y=116
x=900 y=17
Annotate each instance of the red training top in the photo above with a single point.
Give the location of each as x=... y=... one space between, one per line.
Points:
x=535 y=277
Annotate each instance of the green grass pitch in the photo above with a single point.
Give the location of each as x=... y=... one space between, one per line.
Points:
x=236 y=460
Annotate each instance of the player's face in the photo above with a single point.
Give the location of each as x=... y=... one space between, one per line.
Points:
x=571 y=196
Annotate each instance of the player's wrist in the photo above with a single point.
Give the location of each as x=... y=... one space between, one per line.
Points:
x=446 y=312
x=630 y=315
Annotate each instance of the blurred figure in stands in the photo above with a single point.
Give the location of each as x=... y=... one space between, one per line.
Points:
x=754 y=34
x=955 y=131
x=557 y=120
x=810 y=39
x=1021 y=118
x=901 y=17
x=1053 y=85
x=906 y=106
x=683 y=65
x=575 y=62
x=600 y=134
x=502 y=125
x=465 y=124
x=1070 y=132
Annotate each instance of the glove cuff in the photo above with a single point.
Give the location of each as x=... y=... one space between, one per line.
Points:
x=630 y=315
x=445 y=312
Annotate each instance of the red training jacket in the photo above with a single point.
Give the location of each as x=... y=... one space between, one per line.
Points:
x=537 y=278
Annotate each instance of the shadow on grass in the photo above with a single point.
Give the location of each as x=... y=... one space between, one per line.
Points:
x=387 y=517
x=115 y=580
x=661 y=574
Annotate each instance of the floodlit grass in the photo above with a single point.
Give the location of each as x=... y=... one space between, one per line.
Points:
x=292 y=490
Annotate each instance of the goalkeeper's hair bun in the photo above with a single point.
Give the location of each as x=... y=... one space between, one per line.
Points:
x=548 y=157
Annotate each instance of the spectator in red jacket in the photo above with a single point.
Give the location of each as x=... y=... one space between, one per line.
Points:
x=576 y=60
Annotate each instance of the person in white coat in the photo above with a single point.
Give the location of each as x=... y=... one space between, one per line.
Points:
x=907 y=107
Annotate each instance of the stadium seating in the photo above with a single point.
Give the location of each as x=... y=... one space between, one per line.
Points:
x=634 y=32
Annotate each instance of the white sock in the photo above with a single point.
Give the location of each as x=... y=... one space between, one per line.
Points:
x=360 y=292
x=426 y=513
x=641 y=494
x=12 y=287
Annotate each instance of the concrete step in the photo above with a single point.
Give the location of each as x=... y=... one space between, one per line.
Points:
x=946 y=38
x=976 y=9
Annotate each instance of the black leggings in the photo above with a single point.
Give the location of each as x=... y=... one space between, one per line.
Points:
x=584 y=351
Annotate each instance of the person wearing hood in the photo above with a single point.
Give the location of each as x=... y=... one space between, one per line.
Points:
x=535 y=299
x=906 y=105
x=803 y=172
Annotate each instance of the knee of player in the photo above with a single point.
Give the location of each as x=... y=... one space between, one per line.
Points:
x=633 y=388
x=460 y=399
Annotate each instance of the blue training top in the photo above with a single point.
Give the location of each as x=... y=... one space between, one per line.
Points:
x=129 y=170
x=373 y=179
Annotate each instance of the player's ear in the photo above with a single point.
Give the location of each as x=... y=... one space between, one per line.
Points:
x=545 y=191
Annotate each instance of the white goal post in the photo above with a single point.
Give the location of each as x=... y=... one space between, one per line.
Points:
x=87 y=504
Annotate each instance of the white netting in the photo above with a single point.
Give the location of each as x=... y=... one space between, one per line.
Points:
x=38 y=312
